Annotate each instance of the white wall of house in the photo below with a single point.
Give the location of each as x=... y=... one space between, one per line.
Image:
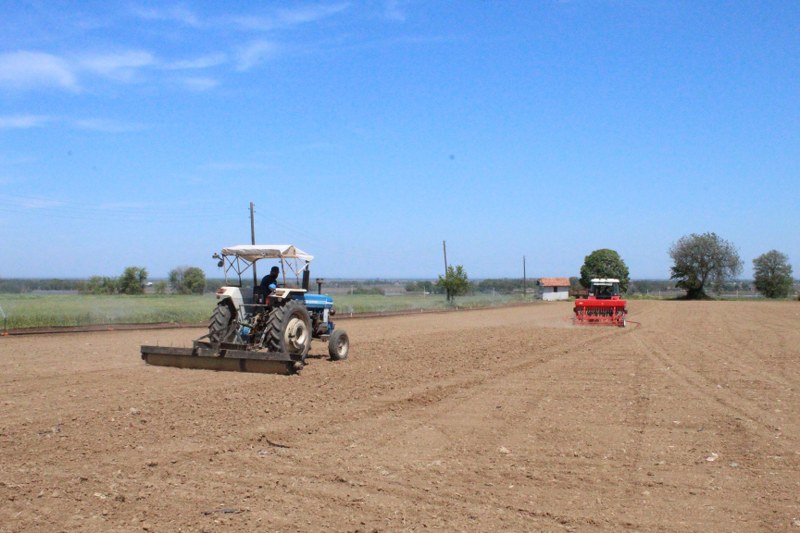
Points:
x=555 y=293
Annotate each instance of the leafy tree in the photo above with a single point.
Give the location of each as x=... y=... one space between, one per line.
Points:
x=773 y=274
x=100 y=285
x=605 y=263
x=455 y=282
x=160 y=287
x=702 y=259
x=132 y=280
x=187 y=280
x=424 y=286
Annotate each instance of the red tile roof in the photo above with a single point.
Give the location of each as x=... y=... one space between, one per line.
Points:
x=554 y=282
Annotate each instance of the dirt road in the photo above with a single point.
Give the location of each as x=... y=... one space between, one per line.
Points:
x=509 y=419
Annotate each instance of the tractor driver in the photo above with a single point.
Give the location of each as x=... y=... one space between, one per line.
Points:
x=270 y=281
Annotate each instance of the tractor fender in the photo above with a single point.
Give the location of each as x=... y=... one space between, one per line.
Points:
x=232 y=297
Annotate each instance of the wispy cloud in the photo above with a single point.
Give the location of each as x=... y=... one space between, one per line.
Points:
x=304 y=15
x=24 y=69
x=92 y=124
x=392 y=11
x=106 y=125
x=114 y=206
x=285 y=18
x=23 y=121
x=78 y=69
x=120 y=66
x=199 y=84
x=32 y=70
x=179 y=14
x=198 y=63
x=254 y=53
x=32 y=202
x=225 y=166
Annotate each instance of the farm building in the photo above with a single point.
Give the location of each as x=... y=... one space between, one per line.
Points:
x=554 y=288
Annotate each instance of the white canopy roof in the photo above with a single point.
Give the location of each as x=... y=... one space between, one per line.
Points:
x=252 y=252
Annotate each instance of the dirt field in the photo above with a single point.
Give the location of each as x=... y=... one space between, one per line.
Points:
x=500 y=420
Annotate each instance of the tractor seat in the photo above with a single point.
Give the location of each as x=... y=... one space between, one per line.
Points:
x=260 y=295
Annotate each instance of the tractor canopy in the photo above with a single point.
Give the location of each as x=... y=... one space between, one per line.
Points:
x=254 y=252
x=604 y=288
x=242 y=257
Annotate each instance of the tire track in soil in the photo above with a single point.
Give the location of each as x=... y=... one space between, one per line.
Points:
x=437 y=390
x=430 y=405
x=705 y=388
x=426 y=430
x=749 y=432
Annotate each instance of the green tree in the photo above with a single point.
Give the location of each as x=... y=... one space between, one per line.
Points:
x=100 y=285
x=605 y=263
x=187 y=280
x=454 y=283
x=703 y=259
x=773 y=274
x=132 y=280
x=160 y=287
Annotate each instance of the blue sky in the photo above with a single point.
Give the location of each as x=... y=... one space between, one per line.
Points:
x=137 y=133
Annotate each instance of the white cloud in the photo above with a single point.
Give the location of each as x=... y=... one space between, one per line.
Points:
x=393 y=12
x=291 y=17
x=223 y=166
x=122 y=66
x=199 y=84
x=105 y=125
x=254 y=53
x=22 y=121
x=34 y=202
x=178 y=14
x=202 y=62
x=26 y=69
x=288 y=17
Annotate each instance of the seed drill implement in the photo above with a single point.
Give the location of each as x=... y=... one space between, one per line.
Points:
x=603 y=305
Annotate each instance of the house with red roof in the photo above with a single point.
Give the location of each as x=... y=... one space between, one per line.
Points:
x=554 y=288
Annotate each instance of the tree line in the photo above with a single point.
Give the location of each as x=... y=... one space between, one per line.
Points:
x=133 y=280
x=702 y=263
x=182 y=280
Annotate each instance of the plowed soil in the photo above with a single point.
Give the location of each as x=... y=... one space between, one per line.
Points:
x=497 y=420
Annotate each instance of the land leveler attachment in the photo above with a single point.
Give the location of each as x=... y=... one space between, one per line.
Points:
x=205 y=355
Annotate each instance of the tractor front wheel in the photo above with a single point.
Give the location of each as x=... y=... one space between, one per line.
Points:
x=338 y=345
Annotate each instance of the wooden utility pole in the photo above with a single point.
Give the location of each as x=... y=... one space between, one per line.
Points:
x=253 y=239
x=524 y=279
x=447 y=287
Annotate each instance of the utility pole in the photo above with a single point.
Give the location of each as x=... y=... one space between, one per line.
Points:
x=253 y=240
x=524 y=279
x=447 y=287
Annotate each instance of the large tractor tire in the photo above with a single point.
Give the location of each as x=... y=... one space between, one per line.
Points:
x=338 y=345
x=221 y=327
x=289 y=330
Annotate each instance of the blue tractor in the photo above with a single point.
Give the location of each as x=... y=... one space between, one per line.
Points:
x=270 y=328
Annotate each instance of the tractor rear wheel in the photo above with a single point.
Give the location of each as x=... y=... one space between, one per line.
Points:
x=338 y=345
x=289 y=330
x=220 y=326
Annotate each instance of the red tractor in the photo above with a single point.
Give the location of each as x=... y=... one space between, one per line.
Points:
x=603 y=305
